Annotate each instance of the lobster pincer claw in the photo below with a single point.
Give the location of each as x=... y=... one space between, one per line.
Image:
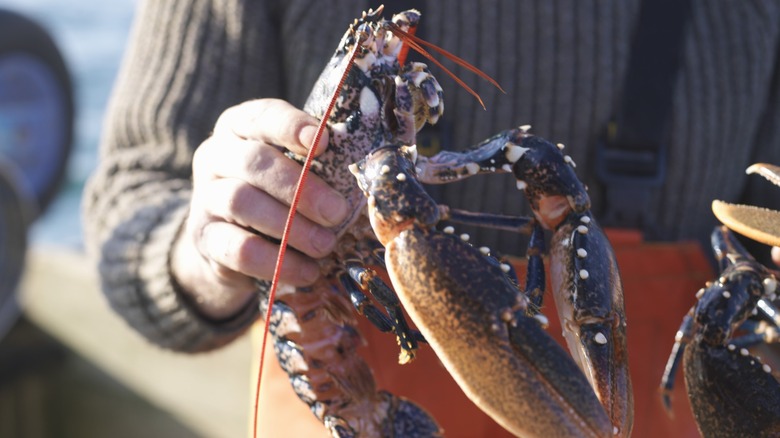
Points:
x=589 y=298
x=760 y=224
x=474 y=318
x=733 y=393
x=585 y=279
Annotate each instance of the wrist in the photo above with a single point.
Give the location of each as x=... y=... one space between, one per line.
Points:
x=211 y=295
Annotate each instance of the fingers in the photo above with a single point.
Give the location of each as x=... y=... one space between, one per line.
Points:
x=274 y=122
x=776 y=255
x=267 y=168
x=249 y=207
x=243 y=185
x=270 y=171
x=233 y=250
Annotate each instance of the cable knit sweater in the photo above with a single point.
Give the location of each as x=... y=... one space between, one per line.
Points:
x=562 y=64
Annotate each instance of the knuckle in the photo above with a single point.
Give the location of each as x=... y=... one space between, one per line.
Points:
x=200 y=156
x=226 y=118
x=241 y=249
x=236 y=199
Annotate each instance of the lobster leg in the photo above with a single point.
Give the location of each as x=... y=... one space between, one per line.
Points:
x=367 y=280
x=535 y=282
x=516 y=224
x=681 y=339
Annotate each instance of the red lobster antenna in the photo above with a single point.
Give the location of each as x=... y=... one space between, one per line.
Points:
x=410 y=41
x=417 y=44
x=288 y=226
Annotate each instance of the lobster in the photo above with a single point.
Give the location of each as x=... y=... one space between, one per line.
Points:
x=732 y=390
x=466 y=303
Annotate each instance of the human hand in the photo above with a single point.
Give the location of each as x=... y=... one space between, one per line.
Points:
x=243 y=183
x=776 y=255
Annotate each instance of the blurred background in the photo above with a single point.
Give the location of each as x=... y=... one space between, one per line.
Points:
x=68 y=366
x=91 y=36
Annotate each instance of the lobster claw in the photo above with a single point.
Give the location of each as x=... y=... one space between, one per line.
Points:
x=585 y=279
x=474 y=318
x=593 y=319
x=732 y=392
x=760 y=224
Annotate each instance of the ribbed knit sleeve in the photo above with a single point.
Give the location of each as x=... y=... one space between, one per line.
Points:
x=188 y=61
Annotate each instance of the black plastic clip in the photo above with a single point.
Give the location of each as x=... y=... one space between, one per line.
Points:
x=630 y=177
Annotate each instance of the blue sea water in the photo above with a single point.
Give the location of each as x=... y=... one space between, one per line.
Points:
x=91 y=34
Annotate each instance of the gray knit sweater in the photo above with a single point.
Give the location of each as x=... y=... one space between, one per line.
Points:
x=561 y=62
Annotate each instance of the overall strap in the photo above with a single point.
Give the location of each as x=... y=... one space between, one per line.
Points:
x=632 y=155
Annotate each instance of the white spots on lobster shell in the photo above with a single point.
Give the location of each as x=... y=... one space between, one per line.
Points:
x=731 y=347
x=418 y=78
x=366 y=61
x=506 y=168
x=384 y=170
x=700 y=293
x=411 y=151
x=449 y=229
x=582 y=253
x=600 y=338
x=505 y=268
x=585 y=219
x=484 y=250
x=339 y=129
x=560 y=146
x=569 y=161
x=525 y=128
x=770 y=286
x=401 y=177
x=726 y=294
x=582 y=229
x=507 y=316
x=767 y=369
x=472 y=168
x=513 y=152
x=369 y=104
x=584 y=274
x=521 y=185
x=465 y=237
x=542 y=320
x=743 y=351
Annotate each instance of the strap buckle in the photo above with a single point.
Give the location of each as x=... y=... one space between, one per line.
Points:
x=630 y=176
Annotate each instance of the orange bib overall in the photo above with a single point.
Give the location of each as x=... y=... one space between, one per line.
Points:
x=659 y=279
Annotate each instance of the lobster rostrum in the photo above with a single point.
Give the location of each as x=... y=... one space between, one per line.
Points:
x=482 y=318
x=733 y=392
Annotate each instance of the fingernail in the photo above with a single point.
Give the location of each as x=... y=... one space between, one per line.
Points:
x=307 y=134
x=333 y=208
x=323 y=240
